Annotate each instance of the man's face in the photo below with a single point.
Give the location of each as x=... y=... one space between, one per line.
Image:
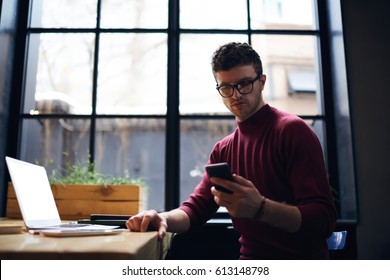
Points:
x=242 y=105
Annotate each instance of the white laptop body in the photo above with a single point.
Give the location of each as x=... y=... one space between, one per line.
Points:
x=36 y=200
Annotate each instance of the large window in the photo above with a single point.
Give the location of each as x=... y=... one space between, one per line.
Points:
x=129 y=85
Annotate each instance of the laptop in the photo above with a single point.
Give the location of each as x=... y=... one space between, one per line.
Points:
x=36 y=200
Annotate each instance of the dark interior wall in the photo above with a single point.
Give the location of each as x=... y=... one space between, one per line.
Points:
x=8 y=12
x=367 y=47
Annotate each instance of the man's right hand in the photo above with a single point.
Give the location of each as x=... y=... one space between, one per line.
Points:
x=148 y=220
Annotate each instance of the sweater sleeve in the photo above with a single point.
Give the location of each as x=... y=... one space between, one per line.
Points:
x=307 y=175
x=200 y=206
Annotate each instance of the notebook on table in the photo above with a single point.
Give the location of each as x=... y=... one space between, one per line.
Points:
x=37 y=204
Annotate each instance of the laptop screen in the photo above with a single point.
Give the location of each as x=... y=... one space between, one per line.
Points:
x=33 y=193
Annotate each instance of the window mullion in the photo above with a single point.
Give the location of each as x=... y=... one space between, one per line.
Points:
x=92 y=135
x=172 y=149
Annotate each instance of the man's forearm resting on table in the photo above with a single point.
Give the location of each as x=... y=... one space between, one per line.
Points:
x=177 y=220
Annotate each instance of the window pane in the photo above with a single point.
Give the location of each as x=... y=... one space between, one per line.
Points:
x=319 y=128
x=59 y=73
x=291 y=66
x=134 y=14
x=197 y=84
x=216 y=14
x=136 y=146
x=282 y=14
x=197 y=138
x=132 y=74
x=55 y=143
x=63 y=13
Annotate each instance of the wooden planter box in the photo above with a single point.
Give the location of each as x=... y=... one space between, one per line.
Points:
x=80 y=201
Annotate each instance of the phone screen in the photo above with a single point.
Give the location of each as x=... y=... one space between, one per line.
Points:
x=220 y=170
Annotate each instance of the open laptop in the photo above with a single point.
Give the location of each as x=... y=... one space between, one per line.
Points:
x=36 y=200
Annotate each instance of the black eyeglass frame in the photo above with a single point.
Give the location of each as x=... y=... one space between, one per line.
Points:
x=236 y=86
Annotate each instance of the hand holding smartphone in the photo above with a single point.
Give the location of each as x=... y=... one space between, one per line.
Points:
x=220 y=170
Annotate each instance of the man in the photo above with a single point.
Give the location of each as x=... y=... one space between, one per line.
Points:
x=281 y=203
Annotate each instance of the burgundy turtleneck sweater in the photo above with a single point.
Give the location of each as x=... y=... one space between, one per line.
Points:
x=283 y=158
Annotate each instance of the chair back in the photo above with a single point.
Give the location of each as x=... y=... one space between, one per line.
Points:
x=337 y=240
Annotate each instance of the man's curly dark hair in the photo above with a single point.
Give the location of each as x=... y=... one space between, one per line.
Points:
x=235 y=54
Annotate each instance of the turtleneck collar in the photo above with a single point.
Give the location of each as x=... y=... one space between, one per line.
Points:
x=254 y=121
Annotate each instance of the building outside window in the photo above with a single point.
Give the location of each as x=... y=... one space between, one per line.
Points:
x=107 y=80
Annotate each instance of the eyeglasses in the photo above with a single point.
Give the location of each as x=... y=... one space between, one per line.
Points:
x=244 y=87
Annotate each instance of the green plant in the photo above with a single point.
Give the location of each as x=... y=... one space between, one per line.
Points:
x=79 y=173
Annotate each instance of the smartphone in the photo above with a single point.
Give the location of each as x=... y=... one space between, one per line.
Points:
x=220 y=170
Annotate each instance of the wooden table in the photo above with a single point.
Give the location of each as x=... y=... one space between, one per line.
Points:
x=126 y=245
